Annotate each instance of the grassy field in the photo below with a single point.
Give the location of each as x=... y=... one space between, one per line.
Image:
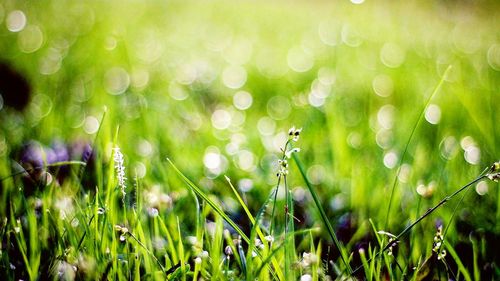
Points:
x=244 y=140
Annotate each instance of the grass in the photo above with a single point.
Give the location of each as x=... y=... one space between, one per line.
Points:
x=396 y=102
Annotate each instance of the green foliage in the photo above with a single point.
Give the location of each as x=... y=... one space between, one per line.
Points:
x=397 y=105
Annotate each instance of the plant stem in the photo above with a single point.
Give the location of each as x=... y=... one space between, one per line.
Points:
x=414 y=129
x=427 y=213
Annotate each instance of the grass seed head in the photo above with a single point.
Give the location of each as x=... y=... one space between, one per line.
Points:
x=120 y=170
x=494 y=172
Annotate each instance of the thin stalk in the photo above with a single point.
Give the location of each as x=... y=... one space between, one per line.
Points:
x=283 y=158
x=322 y=213
x=149 y=253
x=427 y=213
x=285 y=248
x=431 y=210
x=414 y=129
x=271 y=227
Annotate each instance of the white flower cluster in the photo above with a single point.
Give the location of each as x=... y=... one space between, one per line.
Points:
x=123 y=231
x=494 y=172
x=120 y=170
x=438 y=243
x=392 y=241
x=283 y=168
x=294 y=133
x=308 y=259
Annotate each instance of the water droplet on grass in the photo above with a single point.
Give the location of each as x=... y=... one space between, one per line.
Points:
x=392 y=55
x=385 y=116
x=391 y=159
x=245 y=185
x=299 y=60
x=433 y=114
x=278 y=107
x=221 y=119
x=449 y=147
x=30 y=39
x=234 y=77
x=246 y=160
x=328 y=33
x=472 y=155
x=266 y=126
x=90 y=125
x=242 y=100
x=482 y=188
x=493 y=56
x=382 y=85
x=16 y=21
x=116 y=80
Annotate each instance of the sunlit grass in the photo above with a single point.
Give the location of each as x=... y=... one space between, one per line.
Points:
x=397 y=102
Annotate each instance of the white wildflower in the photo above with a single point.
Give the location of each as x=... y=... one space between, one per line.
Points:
x=306 y=277
x=308 y=259
x=120 y=171
x=269 y=238
x=294 y=133
x=283 y=168
x=438 y=243
x=204 y=254
x=228 y=251
x=494 y=172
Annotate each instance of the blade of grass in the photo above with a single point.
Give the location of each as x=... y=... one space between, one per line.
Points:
x=366 y=267
x=279 y=245
x=216 y=208
x=481 y=176
x=459 y=263
x=254 y=233
x=212 y=204
x=322 y=213
x=380 y=243
x=405 y=150
x=255 y=225
x=289 y=241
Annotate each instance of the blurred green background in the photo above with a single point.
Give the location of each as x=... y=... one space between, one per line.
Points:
x=215 y=86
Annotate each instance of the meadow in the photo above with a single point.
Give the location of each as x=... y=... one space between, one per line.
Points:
x=249 y=140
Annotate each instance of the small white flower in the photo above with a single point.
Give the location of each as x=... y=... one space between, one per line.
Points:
x=306 y=277
x=153 y=212
x=269 y=238
x=121 y=229
x=283 y=168
x=438 y=243
x=197 y=260
x=228 y=251
x=308 y=259
x=294 y=133
x=494 y=173
x=257 y=242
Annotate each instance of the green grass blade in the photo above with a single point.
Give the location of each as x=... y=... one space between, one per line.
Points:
x=460 y=265
x=324 y=218
x=255 y=225
x=414 y=129
x=212 y=204
x=215 y=207
x=290 y=240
